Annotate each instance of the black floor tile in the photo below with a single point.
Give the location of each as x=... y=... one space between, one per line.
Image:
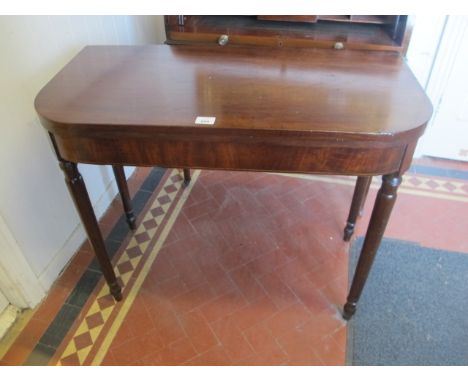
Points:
x=59 y=327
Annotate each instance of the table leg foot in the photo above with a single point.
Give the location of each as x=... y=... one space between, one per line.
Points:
x=187 y=177
x=349 y=310
x=380 y=214
x=124 y=195
x=116 y=291
x=131 y=220
x=359 y=197
x=348 y=231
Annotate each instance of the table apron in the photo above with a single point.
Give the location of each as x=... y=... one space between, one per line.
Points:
x=232 y=155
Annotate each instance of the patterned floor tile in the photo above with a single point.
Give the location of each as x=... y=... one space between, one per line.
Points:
x=241 y=269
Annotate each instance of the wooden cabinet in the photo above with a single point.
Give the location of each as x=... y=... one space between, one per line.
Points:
x=362 y=32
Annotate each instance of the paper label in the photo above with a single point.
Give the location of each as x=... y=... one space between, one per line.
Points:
x=205 y=120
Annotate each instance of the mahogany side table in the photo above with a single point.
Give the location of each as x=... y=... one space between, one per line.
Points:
x=313 y=111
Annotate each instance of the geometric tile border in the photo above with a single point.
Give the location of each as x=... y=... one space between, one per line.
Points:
x=93 y=325
x=412 y=184
x=89 y=330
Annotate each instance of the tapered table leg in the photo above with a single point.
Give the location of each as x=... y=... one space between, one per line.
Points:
x=187 y=177
x=380 y=214
x=366 y=192
x=124 y=195
x=80 y=197
x=359 y=198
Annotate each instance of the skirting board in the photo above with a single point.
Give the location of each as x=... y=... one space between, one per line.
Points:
x=7 y=319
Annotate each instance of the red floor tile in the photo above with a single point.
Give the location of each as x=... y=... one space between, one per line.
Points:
x=253 y=272
x=176 y=353
x=232 y=339
x=234 y=280
x=223 y=306
x=216 y=356
x=197 y=329
x=434 y=223
x=277 y=290
x=261 y=340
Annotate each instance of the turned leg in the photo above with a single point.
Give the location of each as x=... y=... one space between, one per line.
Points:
x=359 y=197
x=187 y=177
x=80 y=197
x=366 y=191
x=125 y=195
x=380 y=214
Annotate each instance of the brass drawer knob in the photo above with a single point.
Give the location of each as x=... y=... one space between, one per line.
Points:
x=338 y=45
x=223 y=39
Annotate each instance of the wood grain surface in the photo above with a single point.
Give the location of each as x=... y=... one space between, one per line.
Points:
x=167 y=87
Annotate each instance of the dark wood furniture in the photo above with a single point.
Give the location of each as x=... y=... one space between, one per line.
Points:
x=363 y=32
x=309 y=111
x=357 y=32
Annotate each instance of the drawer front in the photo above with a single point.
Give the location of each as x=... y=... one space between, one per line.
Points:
x=331 y=32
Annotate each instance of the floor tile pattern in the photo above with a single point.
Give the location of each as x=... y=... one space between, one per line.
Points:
x=127 y=265
x=251 y=270
x=238 y=282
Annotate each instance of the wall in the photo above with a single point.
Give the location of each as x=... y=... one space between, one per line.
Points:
x=425 y=39
x=447 y=134
x=437 y=55
x=422 y=52
x=35 y=206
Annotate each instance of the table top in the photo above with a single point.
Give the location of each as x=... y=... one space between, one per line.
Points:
x=246 y=89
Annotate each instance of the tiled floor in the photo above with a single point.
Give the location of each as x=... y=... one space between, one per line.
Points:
x=236 y=269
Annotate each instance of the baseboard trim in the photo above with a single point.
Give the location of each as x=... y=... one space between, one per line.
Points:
x=8 y=318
